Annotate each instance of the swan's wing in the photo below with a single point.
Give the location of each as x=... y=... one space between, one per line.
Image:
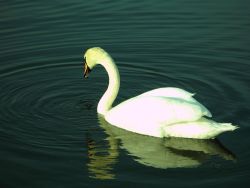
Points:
x=146 y=115
x=174 y=92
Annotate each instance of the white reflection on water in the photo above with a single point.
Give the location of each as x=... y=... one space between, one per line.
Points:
x=150 y=151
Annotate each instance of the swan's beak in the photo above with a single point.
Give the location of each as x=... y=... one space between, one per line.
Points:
x=86 y=70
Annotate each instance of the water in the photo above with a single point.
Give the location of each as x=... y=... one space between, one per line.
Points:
x=50 y=134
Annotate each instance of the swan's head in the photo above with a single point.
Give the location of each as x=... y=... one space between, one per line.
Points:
x=92 y=57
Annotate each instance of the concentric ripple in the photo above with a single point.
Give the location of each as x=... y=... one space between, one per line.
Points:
x=44 y=101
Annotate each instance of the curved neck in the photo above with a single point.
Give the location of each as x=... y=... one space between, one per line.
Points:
x=109 y=96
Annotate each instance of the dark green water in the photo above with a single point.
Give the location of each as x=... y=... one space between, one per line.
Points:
x=50 y=134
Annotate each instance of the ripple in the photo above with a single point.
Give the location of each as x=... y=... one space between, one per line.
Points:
x=40 y=94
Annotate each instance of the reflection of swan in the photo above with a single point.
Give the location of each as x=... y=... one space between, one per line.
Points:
x=102 y=158
x=159 y=152
x=163 y=112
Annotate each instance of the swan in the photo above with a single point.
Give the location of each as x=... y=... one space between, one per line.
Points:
x=162 y=112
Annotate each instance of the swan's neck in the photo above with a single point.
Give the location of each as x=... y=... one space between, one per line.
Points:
x=105 y=103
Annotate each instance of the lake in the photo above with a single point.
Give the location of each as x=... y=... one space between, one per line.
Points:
x=50 y=133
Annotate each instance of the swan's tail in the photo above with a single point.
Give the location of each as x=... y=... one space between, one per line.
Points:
x=202 y=129
x=228 y=127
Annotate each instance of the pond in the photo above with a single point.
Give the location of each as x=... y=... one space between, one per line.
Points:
x=50 y=133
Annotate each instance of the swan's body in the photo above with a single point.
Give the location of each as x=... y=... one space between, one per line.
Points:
x=163 y=112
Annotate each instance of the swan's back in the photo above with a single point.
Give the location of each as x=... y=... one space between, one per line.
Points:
x=170 y=92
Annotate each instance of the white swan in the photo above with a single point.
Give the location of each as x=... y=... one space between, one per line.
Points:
x=163 y=112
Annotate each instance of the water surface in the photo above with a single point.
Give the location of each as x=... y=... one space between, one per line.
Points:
x=50 y=134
